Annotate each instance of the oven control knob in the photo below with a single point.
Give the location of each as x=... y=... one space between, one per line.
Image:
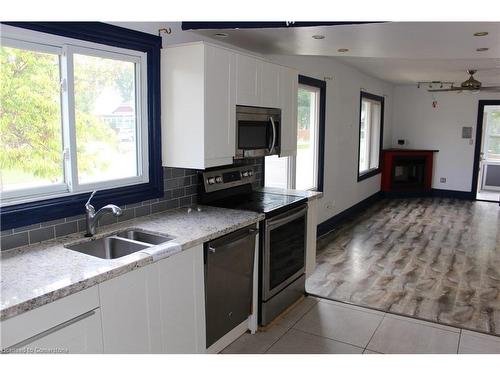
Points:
x=218 y=179
x=211 y=180
x=244 y=173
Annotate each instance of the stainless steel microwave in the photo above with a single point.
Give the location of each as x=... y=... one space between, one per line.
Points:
x=258 y=131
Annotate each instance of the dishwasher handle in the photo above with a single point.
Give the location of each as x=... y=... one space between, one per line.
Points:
x=212 y=246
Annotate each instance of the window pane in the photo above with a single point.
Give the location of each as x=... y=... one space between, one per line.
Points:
x=276 y=172
x=105 y=113
x=363 y=136
x=493 y=153
x=374 y=134
x=307 y=123
x=30 y=122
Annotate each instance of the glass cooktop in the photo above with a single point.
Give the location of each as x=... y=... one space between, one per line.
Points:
x=259 y=202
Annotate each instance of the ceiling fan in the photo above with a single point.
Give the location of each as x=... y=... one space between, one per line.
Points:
x=470 y=84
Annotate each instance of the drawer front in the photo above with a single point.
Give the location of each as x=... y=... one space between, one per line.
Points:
x=79 y=335
x=41 y=319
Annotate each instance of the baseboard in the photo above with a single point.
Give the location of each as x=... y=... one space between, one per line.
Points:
x=432 y=193
x=453 y=194
x=329 y=224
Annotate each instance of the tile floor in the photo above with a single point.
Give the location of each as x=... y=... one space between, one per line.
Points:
x=320 y=326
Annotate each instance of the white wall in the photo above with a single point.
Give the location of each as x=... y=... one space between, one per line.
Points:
x=341 y=189
x=415 y=120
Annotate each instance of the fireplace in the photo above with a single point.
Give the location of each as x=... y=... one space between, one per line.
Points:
x=407 y=171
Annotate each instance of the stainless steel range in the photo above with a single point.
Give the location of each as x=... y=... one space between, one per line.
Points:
x=282 y=234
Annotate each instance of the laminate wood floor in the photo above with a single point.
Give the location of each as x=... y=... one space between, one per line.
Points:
x=435 y=259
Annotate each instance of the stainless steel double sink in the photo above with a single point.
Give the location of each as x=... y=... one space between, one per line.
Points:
x=119 y=244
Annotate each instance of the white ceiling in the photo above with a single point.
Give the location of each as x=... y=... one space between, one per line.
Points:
x=398 y=52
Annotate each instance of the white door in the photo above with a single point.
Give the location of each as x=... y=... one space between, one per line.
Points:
x=131 y=313
x=270 y=85
x=220 y=108
x=248 y=86
x=182 y=301
x=490 y=153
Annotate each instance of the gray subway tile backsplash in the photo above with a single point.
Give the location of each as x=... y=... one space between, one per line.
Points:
x=42 y=234
x=142 y=211
x=14 y=240
x=180 y=189
x=66 y=228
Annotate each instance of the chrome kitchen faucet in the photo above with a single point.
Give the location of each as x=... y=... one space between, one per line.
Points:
x=92 y=217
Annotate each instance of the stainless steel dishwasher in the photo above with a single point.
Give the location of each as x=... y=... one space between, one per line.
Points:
x=229 y=264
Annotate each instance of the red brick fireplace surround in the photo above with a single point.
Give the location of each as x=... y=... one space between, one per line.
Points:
x=407 y=171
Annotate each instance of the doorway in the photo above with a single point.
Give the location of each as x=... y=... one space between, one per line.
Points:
x=487 y=156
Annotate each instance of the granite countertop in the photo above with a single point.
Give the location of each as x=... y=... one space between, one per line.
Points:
x=309 y=194
x=34 y=275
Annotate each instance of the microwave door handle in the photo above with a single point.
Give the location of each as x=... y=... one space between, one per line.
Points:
x=273 y=144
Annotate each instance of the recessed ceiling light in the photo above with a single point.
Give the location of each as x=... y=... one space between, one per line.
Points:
x=482 y=49
x=481 y=33
x=318 y=37
x=221 y=35
x=343 y=50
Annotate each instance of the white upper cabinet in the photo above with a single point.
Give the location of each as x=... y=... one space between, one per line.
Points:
x=288 y=90
x=248 y=86
x=201 y=86
x=198 y=111
x=269 y=83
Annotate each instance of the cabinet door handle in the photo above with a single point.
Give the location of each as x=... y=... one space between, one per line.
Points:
x=50 y=331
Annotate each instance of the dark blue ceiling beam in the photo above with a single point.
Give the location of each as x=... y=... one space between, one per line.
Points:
x=208 y=25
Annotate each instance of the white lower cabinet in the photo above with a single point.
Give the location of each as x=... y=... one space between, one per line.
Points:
x=312 y=224
x=182 y=301
x=79 y=336
x=159 y=308
x=69 y=325
x=130 y=312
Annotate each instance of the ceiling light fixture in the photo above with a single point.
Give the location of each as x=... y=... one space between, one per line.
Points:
x=343 y=50
x=221 y=35
x=482 y=49
x=481 y=33
x=318 y=37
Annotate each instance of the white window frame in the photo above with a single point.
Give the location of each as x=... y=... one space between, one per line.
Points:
x=315 y=142
x=368 y=136
x=66 y=48
x=291 y=164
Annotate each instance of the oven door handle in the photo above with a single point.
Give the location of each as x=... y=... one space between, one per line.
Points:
x=273 y=143
x=286 y=218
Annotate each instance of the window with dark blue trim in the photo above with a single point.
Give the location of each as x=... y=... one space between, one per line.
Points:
x=30 y=212
x=371 y=135
x=305 y=170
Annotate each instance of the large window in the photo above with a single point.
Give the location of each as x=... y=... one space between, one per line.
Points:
x=72 y=117
x=371 y=122
x=305 y=170
x=80 y=111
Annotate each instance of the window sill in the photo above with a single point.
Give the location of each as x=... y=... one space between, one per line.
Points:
x=56 y=208
x=368 y=174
